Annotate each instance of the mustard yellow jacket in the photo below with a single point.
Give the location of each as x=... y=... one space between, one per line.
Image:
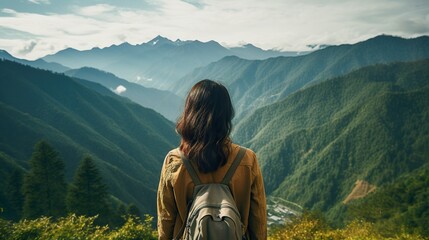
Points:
x=176 y=187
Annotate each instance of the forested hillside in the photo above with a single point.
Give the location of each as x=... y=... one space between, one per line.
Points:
x=401 y=203
x=254 y=84
x=372 y=125
x=127 y=142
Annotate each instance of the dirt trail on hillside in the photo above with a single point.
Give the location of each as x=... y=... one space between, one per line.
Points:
x=361 y=189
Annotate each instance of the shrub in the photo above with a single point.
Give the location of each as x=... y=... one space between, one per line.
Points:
x=312 y=227
x=76 y=228
x=134 y=228
x=29 y=229
x=5 y=228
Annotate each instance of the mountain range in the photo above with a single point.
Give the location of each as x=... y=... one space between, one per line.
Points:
x=157 y=63
x=127 y=141
x=257 y=83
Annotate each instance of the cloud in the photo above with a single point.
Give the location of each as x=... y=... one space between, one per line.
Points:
x=120 y=89
x=10 y=33
x=40 y=1
x=413 y=26
x=122 y=37
x=95 y=10
x=28 y=48
x=8 y=11
x=69 y=30
x=196 y=3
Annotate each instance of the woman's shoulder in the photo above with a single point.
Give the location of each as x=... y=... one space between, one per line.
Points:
x=172 y=160
x=236 y=147
x=249 y=157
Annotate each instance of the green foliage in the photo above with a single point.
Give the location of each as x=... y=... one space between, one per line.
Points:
x=30 y=229
x=71 y=227
x=306 y=226
x=44 y=185
x=312 y=227
x=135 y=229
x=5 y=227
x=87 y=194
x=76 y=227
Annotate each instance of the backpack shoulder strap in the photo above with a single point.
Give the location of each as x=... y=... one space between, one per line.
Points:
x=190 y=169
x=234 y=166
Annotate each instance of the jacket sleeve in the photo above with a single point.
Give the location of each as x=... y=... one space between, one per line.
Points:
x=166 y=206
x=258 y=206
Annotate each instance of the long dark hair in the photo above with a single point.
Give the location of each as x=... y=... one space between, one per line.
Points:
x=205 y=125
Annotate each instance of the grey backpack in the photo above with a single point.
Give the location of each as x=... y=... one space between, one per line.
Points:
x=213 y=213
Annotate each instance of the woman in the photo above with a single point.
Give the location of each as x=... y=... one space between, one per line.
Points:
x=204 y=128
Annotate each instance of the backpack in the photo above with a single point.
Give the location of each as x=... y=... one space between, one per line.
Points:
x=213 y=213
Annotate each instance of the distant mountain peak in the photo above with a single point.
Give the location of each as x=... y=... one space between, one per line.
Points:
x=125 y=44
x=68 y=50
x=159 y=40
x=214 y=43
x=384 y=36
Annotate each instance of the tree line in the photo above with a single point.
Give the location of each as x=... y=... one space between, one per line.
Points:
x=43 y=191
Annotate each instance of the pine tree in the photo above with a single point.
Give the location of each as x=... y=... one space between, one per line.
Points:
x=88 y=194
x=44 y=185
x=14 y=193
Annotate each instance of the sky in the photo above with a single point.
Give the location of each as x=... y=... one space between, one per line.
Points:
x=31 y=29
